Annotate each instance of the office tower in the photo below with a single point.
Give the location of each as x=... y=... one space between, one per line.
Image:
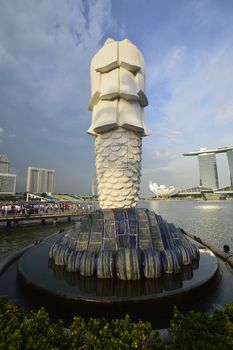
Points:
x=4 y=164
x=208 y=170
x=7 y=184
x=230 y=162
x=40 y=180
x=7 y=181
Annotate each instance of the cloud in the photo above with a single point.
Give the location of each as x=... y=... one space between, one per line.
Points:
x=199 y=99
x=45 y=52
x=168 y=68
x=163 y=154
x=172 y=135
x=3 y=132
x=161 y=162
x=45 y=69
x=225 y=114
x=190 y=90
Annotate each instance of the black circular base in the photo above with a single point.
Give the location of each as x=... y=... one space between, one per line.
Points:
x=69 y=293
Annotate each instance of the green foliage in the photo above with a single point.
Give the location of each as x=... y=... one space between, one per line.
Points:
x=192 y=331
x=7 y=198
x=11 y=198
x=11 y=318
x=229 y=324
x=39 y=333
x=36 y=332
x=130 y=335
x=229 y=312
x=196 y=330
x=123 y=334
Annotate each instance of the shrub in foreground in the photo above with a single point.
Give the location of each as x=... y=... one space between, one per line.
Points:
x=11 y=319
x=116 y=334
x=191 y=331
x=38 y=332
x=197 y=330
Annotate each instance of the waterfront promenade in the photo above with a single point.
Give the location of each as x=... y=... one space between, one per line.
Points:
x=14 y=213
x=42 y=217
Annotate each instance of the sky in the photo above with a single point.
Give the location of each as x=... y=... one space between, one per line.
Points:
x=45 y=51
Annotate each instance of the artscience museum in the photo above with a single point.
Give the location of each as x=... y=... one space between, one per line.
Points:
x=162 y=191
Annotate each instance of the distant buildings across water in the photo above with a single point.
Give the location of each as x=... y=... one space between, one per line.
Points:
x=7 y=180
x=208 y=166
x=209 y=182
x=40 y=180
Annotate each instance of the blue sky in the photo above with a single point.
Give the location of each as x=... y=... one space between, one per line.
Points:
x=45 y=51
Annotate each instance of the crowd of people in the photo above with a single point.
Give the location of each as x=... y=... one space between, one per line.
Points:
x=28 y=208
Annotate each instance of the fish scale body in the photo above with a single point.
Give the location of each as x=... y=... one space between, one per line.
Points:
x=118 y=168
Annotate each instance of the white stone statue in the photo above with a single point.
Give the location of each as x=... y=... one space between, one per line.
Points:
x=117 y=103
x=117 y=241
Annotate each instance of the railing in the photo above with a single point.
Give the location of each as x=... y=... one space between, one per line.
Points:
x=15 y=218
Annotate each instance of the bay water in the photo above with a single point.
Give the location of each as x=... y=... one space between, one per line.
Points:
x=212 y=221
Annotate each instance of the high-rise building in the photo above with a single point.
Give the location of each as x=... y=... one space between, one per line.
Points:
x=40 y=180
x=208 y=170
x=208 y=165
x=4 y=164
x=7 y=181
x=7 y=184
x=230 y=162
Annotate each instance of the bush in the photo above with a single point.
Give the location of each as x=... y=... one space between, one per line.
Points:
x=37 y=332
x=196 y=330
x=116 y=334
x=11 y=318
x=192 y=331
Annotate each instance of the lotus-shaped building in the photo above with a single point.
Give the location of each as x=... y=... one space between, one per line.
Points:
x=162 y=191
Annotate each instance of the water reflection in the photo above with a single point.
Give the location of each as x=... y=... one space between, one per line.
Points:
x=113 y=287
x=212 y=221
x=18 y=237
x=208 y=207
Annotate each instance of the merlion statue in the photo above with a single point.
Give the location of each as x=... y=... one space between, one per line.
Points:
x=117 y=103
x=119 y=240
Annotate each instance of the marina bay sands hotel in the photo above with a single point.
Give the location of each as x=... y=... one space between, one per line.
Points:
x=208 y=165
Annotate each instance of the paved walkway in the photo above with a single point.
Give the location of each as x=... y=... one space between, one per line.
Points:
x=42 y=216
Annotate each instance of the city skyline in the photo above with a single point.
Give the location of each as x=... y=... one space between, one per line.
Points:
x=45 y=55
